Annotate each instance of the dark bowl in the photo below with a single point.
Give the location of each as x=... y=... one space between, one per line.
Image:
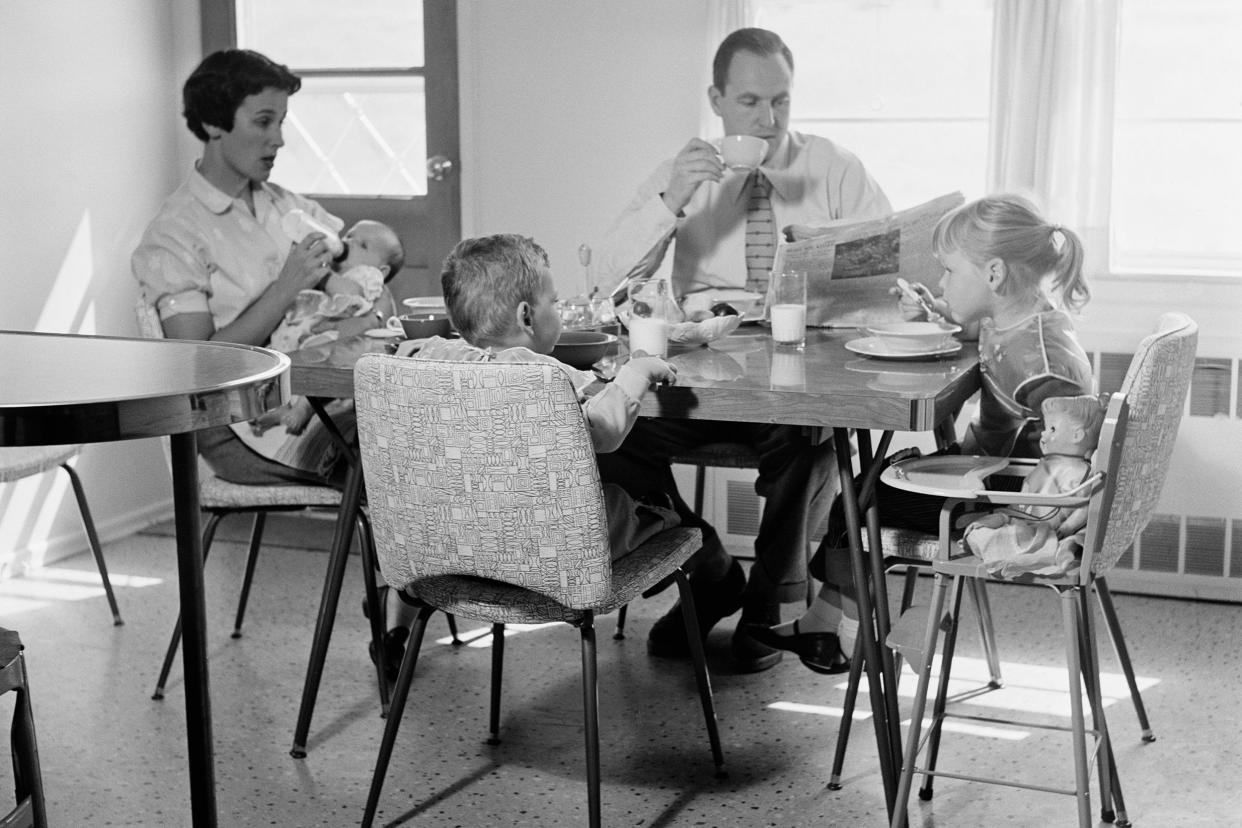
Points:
x=582 y=349
x=421 y=325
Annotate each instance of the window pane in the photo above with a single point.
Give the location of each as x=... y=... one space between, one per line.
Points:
x=903 y=85
x=1177 y=172
x=355 y=136
x=323 y=34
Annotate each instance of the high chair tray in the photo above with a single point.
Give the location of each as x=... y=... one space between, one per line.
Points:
x=949 y=475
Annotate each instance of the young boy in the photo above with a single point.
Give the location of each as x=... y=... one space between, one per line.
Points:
x=500 y=295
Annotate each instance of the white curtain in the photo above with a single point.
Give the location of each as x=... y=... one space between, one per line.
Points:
x=723 y=17
x=1053 y=68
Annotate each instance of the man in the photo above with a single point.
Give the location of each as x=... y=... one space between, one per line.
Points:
x=725 y=225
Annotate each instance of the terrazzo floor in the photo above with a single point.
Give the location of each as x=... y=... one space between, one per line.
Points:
x=113 y=756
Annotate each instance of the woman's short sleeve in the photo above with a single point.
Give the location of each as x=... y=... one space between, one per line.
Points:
x=173 y=272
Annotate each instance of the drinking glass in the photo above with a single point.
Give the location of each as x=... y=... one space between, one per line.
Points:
x=649 y=316
x=787 y=310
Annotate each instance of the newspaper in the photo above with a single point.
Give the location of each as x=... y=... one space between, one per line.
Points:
x=852 y=265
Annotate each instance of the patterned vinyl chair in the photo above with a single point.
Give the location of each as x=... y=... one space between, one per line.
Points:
x=20 y=462
x=486 y=502
x=1131 y=462
x=220 y=498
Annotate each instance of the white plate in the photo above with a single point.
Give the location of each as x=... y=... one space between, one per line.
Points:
x=382 y=333
x=873 y=346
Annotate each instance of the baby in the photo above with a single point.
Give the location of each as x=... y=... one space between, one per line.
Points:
x=372 y=256
x=1042 y=540
x=500 y=294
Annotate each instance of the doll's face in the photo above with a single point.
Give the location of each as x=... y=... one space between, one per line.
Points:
x=1063 y=434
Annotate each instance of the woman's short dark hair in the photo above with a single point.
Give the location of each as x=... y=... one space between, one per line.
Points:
x=756 y=41
x=217 y=87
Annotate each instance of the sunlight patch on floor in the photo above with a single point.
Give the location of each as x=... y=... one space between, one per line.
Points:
x=481 y=637
x=1028 y=689
x=51 y=584
x=1008 y=734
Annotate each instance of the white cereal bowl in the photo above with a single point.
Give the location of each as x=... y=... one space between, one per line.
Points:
x=915 y=337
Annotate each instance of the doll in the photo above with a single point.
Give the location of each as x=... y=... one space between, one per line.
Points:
x=1044 y=540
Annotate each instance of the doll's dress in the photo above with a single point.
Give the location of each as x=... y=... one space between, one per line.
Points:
x=1034 y=540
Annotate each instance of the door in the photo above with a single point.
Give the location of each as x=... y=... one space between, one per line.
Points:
x=373 y=131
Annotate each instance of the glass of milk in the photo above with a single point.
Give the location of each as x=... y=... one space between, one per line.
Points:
x=650 y=315
x=787 y=308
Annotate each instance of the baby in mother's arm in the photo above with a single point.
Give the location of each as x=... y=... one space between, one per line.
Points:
x=354 y=298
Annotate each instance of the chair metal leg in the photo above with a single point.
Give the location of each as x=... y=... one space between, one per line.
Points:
x=619 y=633
x=1112 y=804
x=27 y=775
x=366 y=545
x=914 y=732
x=700 y=480
x=851 y=688
x=400 y=693
x=93 y=538
x=252 y=558
x=942 y=688
x=699 y=661
x=498 y=665
x=209 y=534
x=452 y=625
x=590 y=716
x=847 y=716
x=987 y=634
x=1105 y=598
x=1082 y=768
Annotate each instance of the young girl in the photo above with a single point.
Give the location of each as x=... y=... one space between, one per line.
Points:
x=1010 y=279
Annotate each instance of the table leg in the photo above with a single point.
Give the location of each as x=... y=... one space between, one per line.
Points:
x=343 y=536
x=866 y=628
x=184 y=449
x=880 y=590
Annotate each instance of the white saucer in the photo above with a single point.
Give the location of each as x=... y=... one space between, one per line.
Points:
x=382 y=333
x=873 y=346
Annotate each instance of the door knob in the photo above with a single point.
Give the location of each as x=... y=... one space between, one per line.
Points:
x=438 y=166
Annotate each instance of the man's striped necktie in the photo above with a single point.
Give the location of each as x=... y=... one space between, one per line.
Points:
x=760 y=234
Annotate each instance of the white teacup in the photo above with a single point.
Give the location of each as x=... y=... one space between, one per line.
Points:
x=743 y=152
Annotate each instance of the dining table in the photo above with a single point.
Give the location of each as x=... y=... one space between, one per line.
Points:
x=824 y=386
x=64 y=388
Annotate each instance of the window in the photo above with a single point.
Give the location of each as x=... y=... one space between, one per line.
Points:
x=357 y=126
x=906 y=85
x=1177 y=149
x=902 y=85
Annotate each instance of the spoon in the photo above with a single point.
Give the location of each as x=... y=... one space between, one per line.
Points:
x=584 y=259
x=915 y=296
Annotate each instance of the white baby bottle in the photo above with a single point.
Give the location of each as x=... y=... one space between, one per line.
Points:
x=299 y=224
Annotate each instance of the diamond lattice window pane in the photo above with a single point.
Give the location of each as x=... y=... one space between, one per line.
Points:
x=323 y=34
x=356 y=136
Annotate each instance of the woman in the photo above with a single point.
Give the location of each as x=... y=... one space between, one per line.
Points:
x=216 y=264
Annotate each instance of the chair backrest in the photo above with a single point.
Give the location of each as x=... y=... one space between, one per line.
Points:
x=483 y=469
x=149 y=325
x=1137 y=460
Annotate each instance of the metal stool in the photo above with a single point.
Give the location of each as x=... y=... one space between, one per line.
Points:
x=27 y=779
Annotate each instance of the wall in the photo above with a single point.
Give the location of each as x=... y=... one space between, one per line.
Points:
x=89 y=148
x=566 y=107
